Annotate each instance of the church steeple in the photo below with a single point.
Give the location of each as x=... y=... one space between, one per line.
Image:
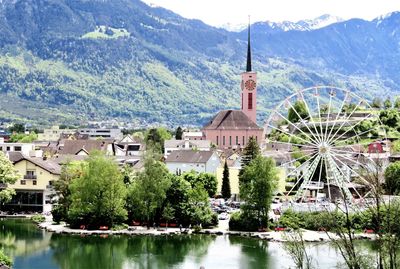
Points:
x=249 y=86
x=248 y=67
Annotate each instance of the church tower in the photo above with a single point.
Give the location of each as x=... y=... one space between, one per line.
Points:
x=249 y=87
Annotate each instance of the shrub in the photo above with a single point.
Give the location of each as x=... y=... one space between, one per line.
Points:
x=38 y=218
x=59 y=214
x=244 y=222
x=5 y=260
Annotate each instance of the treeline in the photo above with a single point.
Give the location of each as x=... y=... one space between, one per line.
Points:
x=96 y=192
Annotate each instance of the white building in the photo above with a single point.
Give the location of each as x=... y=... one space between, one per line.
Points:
x=174 y=145
x=107 y=133
x=27 y=149
x=182 y=161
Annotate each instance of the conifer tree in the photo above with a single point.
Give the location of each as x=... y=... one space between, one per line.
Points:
x=178 y=133
x=226 y=187
x=250 y=152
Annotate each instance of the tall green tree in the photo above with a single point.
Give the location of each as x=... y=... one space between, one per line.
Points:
x=226 y=187
x=8 y=175
x=256 y=186
x=178 y=133
x=17 y=128
x=298 y=111
x=98 y=195
x=396 y=104
x=155 y=138
x=250 y=152
x=376 y=102
x=148 y=190
x=69 y=171
x=392 y=178
x=388 y=103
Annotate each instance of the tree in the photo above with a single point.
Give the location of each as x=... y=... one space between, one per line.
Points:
x=17 y=128
x=198 y=207
x=226 y=188
x=376 y=102
x=250 y=152
x=178 y=133
x=69 y=171
x=168 y=214
x=148 y=190
x=297 y=112
x=392 y=178
x=8 y=175
x=208 y=181
x=390 y=117
x=387 y=104
x=98 y=195
x=155 y=138
x=256 y=186
x=397 y=103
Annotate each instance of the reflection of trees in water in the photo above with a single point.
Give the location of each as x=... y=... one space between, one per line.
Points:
x=72 y=251
x=254 y=252
x=115 y=251
x=166 y=251
x=21 y=237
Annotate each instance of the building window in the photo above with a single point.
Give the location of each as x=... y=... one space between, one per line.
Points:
x=250 y=100
x=230 y=140
x=34 y=182
x=217 y=140
x=242 y=101
x=237 y=140
x=256 y=138
x=23 y=182
x=8 y=148
x=223 y=140
x=243 y=141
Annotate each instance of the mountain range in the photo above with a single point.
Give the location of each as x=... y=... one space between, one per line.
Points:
x=70 y=61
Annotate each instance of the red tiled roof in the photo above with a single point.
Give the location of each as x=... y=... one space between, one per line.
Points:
x=231 y=120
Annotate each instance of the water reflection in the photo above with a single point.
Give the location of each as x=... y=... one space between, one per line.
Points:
x=32 y=248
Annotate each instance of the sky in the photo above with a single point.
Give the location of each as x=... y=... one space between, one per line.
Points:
x=219 y=12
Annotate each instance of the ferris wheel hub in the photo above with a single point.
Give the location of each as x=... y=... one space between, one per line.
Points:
x=324 y=149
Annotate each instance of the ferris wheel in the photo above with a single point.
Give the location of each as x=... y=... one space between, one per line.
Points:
x=325 y=139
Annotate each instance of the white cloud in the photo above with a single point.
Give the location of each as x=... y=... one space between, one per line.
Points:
x=218 y=12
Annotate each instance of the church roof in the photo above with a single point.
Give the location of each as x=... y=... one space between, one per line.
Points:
x=231 y=120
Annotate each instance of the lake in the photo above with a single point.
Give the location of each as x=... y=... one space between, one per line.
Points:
x=33 y=248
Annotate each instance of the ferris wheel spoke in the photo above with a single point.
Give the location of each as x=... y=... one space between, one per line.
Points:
x=356 y=135
x=294 y=125
x=356 y=173
x=319 y=114
x=327 y=179
x=301 y=177
x=346 y=120
x=319 y=179
x=347 y=179
x=327 y=120
x=309 y=175
x=292 y=135
x=310 y=114
x=293 y=144
x=340 y=181
x=312 y=154
x=351 y=128
x=318 y=139
x=338 y=115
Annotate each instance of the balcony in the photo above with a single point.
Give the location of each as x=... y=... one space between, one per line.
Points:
x=30 y=176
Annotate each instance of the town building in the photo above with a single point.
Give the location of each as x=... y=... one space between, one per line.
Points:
x=233 y=128
x=54 y=133
x=181 y=161
x=174 y=145
x=27 y=149
x=107 y=133
x=34 y=188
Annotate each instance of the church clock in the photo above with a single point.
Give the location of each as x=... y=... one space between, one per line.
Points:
x=250 y=85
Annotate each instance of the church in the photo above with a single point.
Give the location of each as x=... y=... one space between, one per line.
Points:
x=232 y=129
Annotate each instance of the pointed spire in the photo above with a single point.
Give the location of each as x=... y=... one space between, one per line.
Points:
x=248 y=67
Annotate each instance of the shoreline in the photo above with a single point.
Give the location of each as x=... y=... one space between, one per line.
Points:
x=272 y=236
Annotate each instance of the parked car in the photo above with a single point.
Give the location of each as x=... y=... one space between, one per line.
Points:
x=223 y=216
